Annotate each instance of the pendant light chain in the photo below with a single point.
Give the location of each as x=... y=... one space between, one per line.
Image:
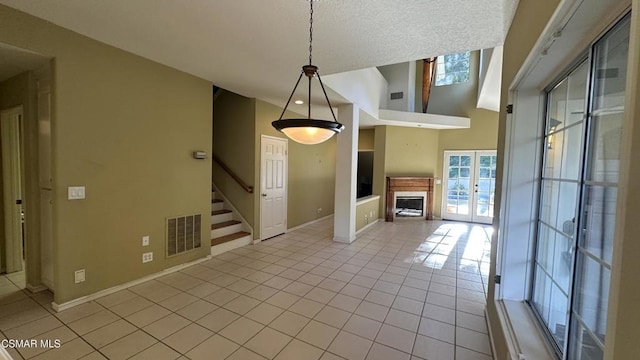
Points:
x=308 y=131
x=310 y=32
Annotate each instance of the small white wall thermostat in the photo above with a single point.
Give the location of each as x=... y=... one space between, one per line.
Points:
x=200 y=155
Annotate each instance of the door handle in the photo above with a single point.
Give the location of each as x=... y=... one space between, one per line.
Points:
x=264 y=195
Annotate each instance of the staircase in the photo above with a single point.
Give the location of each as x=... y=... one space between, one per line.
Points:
x=228 y=231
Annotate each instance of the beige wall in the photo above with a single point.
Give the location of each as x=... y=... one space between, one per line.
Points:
x=124 y=127
x=411 y=151
x=312 y=172
x=528 y=23
x=366 y=139
x=402 y=151
x=366 y=212
x=233 y=130
x=379 y=164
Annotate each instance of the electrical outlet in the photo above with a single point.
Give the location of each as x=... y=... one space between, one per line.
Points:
x=147 y=257
x=145 y=240
x=319 y=210
x=79 y=276
x=75 y=192
x=371 y=214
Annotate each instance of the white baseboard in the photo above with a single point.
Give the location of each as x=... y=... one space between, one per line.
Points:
x=230 y=245
x=345 y=240
x=367 y=226
x=309 y=223
x=81 y=300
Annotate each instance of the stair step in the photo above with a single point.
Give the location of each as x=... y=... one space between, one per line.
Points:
x=227 y=238
x=220 y=212
x=224 y=224
x=217 y=204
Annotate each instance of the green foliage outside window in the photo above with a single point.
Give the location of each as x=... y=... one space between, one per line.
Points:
x=453 y=69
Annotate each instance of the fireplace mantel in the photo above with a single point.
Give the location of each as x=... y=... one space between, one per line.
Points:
x=422 y=184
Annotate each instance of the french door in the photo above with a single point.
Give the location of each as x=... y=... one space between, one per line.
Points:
x=469 y=186
x=578 y=198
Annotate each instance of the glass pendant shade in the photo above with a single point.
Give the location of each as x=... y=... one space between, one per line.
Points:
x=308 y=131
x=308 y=135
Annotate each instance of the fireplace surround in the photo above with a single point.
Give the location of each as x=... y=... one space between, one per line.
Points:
x=412 y=187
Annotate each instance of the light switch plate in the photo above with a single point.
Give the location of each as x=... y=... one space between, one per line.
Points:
x=79 y=276
x=145 y=240
x=76 y=192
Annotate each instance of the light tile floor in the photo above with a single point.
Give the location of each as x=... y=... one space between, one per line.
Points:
x=404 y=290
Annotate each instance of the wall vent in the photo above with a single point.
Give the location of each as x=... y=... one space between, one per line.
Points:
x=183 y=234
x=397 y=95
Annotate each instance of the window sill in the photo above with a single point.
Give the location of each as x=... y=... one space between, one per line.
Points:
x=522 y=333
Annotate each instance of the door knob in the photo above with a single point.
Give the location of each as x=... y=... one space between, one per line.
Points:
x=264 y=195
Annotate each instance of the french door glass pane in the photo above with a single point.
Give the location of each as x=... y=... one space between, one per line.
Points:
x=458 y=184
x=485 y=186
x=571 y=149
x=562 y=262
x=558 y=205
x=576 y=95
x=558 y=314
x=542 y=294
x=583 y=345
x=553 y=155
x=599 y=221
x=557 y=107
x=592 y=295
x=604 y=162
x=546 y=247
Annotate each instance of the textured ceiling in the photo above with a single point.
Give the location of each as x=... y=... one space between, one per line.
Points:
x=256 y=47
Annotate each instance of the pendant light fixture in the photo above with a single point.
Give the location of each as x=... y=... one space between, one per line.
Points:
x=308 y=131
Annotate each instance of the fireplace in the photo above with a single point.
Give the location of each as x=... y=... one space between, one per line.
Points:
x=409 y=196
x=409 y=204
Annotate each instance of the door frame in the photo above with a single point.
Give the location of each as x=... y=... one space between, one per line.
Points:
x=13 y=187
x=473 y=176
x=262 y=182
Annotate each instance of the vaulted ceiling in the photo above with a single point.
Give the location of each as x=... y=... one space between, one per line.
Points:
x=256 y=47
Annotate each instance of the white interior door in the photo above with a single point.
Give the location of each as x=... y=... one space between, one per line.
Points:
x=10 y=128
x=273 y=186
x=469 y=186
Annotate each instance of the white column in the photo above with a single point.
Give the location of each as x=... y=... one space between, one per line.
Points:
x=344 y=216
